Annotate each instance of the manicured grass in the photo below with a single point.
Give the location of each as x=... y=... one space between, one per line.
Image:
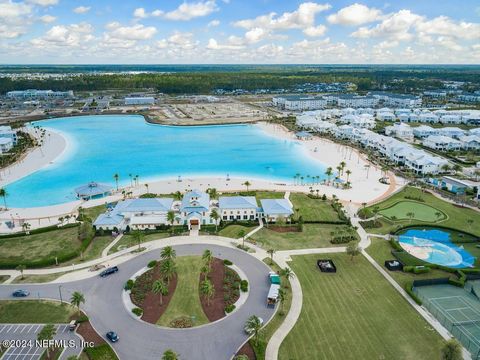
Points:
x=29 y=279
x=93 y=212
x=34 y=312
x=101 y=352
x=312 y=236
x=355 y=314
x=232 y=231
x=96 y=247
x=313 y=209
x=458 y=218
x=186 y=299
x=380 y=251
x=421 y=211
x=4 y=278
x=128 y=241
x=39 y=246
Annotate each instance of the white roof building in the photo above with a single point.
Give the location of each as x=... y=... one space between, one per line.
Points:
x=442 y=143
x=423 y=131
x=400 y=130
x=451 y=131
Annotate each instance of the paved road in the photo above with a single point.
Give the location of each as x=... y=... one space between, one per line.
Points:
x=141 y=341
x=26 y=334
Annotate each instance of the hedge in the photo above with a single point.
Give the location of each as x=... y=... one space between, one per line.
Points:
x=409 y=290
x=406 y=227
x=39 y=231
x=244 y=285
x=229 y=308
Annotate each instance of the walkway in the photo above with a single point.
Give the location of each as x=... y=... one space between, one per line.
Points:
x=111 y=245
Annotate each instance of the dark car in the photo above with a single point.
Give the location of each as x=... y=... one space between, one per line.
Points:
x=112 y=336
x=21 y=293
x=109 y=271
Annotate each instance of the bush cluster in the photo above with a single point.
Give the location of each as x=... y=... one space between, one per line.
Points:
x=231 y=283
x=129 y=284
x=244 y=285
x=227 y=262
x=152 y=263
x=229 y=308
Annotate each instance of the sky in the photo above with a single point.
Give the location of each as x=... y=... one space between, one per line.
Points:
x=239 y=32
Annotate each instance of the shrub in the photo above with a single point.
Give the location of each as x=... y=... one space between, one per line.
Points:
x=227 y=262
x=82 y=318
x=152 y=264
x=137 y=311
x=421 y=269
x=244 y=285
x=229 y=308
x=226 y=297
x=129 y=284
x=409 y=290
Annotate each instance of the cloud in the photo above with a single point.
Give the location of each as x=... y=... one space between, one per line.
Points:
x=302 y=18
x=47 y=19
x=135 y=32
x=11 y=9
x=213 y=23
x=43 y=2
x=395 y=26
x=14 y=19
x=443 y=25
x=81 y=9
x=356 y=14
x=73 y=35
x=315 y=30
x=140 y=13
x=214 y=45
x=188 y=11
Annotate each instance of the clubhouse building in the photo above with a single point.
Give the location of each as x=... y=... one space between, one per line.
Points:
x=194 y=210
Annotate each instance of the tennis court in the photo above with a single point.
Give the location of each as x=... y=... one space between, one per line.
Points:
x=457 y=309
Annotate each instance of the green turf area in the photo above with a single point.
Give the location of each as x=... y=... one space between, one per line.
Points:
x=29 y=279
x=312 y=236
x=355 y=314
x=458 y=218
x=313 y=209
x=101 y=352
x=232 y=231
x=4 y=278
x=421 y=212
x=272 y=326
x=128 y=241
x=39 y=246
x=93 y=212
x=380 y=250
x=96 y=247
x=34 y=312
x=186 y=299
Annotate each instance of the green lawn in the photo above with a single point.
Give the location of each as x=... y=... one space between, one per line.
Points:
x=380 y=250
x=34 y=312
x=355 y=314
x=232 y=231
x=96 y=247
x=313 y=209
x=39 y=246
x=462 y=219
x=29 y=279
x=421 y=212
x=93 y=212
x=4 y=278
x=312 y=236
x=101 y=352
x=186 y=299
x=127 y=241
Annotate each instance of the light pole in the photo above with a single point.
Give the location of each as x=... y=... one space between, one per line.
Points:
x=60 y=292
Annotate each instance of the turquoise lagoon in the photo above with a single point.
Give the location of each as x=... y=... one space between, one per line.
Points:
x=100 y=146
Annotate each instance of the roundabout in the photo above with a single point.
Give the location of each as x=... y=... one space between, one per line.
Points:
x=139 y=340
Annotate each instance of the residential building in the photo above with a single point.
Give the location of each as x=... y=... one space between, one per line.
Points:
x=6 y=132
x=470 y=142
x=468 y=97
x=397 y=100
x=146 y=100
x=386 y=116
x=436 y=94
x=241 y=208
x=458 y=186
x=39 y=94
x=422 y=163
x=195 y=209
x=400 y=130
x=273 y=209
x=6 y=144
x=355 y=101
x=453 y=132
x=428 y=117
x=442 y=143
x=300 y=102
x=424 y=131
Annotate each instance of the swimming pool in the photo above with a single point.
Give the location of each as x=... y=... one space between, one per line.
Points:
x=435 y=246
x=125 y=144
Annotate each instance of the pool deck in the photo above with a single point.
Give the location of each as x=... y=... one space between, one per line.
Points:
x=364 y=188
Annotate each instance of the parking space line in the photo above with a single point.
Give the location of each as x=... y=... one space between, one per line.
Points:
x=30 y=328
x=10 y=327
x=3 y=327
x=16 y=328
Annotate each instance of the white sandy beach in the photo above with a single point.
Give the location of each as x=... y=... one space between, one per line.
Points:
x=364 y=189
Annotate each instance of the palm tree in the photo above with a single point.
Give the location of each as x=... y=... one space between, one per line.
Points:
x=25 y=226
x=159 y=287
x=348 y=172
x=4 y=194
x=411 y=215
x=445 y=167
x=47 y=333
x=138 y=237
x=168 y=269
x=253 y=326
x=329 y=173
x=353 y=249
x=342 y=166
x=207 y=289
x=171 y=217
x=213 y=193
x=177 y=195
x=21 y=268
x=116 y=177
x=457 y=168
x=207 y=257
x=77 y=299
x=131 y=181
x=271 y=252
x=288 y=273
x=170 y=355
x=168 y=253
x=146 y=186
x=214 y=215
x=301 y=180
x=241 y=234
x=247 y=184
x=375 y=211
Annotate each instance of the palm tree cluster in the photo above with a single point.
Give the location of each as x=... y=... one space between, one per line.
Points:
x=168 y=267
x=207 y=289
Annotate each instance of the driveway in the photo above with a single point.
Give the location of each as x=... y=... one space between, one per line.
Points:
x=138 y=340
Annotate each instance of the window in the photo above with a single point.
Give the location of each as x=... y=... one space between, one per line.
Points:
x=245 y=217
x=232 y=217
x=225 y=217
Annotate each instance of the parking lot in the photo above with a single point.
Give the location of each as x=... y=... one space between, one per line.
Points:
x=27 y=333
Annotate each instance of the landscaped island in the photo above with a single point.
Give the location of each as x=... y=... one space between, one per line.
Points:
x=185 y=291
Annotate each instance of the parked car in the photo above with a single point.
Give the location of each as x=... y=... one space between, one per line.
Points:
x=20 y=293
x=112 y=336
x=109 y=271
x=72 y=325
